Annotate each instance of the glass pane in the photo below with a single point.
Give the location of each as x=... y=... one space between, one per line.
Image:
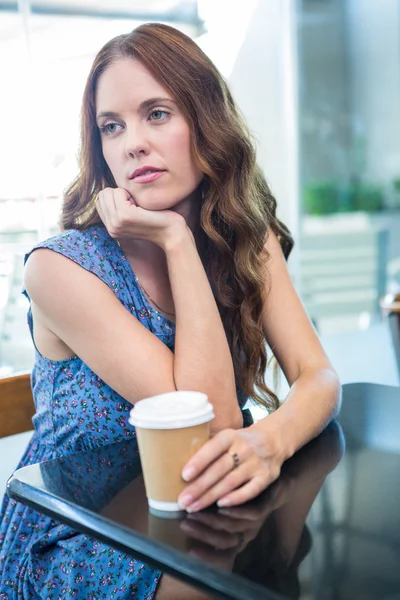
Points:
x=349 y=94
x=40 y=133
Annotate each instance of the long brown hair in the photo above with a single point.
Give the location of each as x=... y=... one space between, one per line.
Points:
x=237 y=206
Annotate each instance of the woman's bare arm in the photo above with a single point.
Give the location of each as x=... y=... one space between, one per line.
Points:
x=312 y=402
x=314 y=395
x=85 y=314
x=202 y=355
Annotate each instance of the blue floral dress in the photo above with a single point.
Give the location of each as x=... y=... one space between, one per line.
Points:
x=75 y=410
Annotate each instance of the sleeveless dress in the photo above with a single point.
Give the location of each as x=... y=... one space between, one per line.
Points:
x=75 y=411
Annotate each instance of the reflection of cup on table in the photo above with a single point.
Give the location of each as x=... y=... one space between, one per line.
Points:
x=162 y=528
x=170 y=429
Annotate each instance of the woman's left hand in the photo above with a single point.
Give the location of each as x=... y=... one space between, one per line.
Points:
x=231 y=468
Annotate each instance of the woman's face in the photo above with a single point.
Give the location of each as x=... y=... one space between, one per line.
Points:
x=145 y=138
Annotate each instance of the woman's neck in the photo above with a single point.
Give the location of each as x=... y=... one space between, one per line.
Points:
x=190 y=209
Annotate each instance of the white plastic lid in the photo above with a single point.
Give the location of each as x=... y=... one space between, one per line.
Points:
x=173 y=410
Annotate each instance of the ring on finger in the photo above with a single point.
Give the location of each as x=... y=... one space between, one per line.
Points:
x=235 y=458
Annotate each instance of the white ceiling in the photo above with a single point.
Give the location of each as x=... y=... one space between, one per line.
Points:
x=46 y=13
x=131 y=8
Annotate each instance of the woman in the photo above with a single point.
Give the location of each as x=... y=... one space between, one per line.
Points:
x=170 y=274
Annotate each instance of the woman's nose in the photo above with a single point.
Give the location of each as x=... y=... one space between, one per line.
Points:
x=136 y=142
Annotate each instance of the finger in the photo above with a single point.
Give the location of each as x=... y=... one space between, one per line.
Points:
x=284 y=489
x=230 y=482
x=104 y=207
x=121 y=198
x=216 y=539
x=129 y=197
x=125 y=210
x=246 y=492
x=242 y=514
x=98 y=206
x=218 y=470
x=255 y=509
x=118 y=204
x=208 y=453
x=113 y=200
x=219 y=522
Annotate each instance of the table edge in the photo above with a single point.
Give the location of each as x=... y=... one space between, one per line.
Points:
x=233 y=583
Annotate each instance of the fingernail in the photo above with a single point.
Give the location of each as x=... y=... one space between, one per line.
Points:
x=223 y=502
x=188 y=473
x=186 y=526
x=185 y=500
x=193 y=507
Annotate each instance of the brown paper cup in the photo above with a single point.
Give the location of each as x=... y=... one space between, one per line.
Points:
x=170 y=429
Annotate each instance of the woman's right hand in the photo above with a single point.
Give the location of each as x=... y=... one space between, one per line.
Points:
x=124 y=219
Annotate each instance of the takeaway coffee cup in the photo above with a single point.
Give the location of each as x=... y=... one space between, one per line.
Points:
x=170 y=428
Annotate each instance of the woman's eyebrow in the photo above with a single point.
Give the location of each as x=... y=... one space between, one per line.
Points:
x=143 y=106
x=107 y=113
x=146 y=103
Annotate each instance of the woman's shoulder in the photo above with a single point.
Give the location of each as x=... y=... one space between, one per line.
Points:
x=92 y=248
x=93 y=243
x=95 y=236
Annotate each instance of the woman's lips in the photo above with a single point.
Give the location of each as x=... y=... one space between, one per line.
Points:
x=148 y=177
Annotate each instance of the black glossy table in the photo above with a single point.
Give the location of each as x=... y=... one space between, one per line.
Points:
x=329 y=528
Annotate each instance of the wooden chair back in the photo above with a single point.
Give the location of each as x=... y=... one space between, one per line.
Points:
x=16 y=404
x=390 y=306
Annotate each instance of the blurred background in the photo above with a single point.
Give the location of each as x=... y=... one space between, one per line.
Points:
x=319 y=84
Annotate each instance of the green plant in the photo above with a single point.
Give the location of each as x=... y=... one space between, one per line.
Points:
x=321 y=198
x=367 y=197
x=327 y=197
x=396 y=184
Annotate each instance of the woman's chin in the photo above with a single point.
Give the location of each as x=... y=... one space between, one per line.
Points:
x=156 y=203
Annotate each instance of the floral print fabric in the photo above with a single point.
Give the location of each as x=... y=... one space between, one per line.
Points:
x=77 y=411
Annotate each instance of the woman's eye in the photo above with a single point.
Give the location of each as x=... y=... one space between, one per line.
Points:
x=158 y=115
x=110 y=128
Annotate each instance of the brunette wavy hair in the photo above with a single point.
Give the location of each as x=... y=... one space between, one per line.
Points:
x=237 y=205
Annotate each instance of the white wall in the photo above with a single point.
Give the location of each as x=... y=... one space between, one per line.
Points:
x=263 y=82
